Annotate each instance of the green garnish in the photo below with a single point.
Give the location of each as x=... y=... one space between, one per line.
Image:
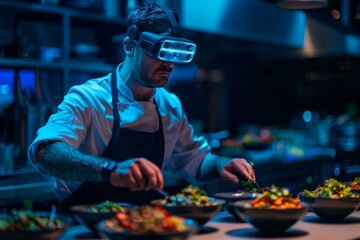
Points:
x=357 y=180
x=249 y=185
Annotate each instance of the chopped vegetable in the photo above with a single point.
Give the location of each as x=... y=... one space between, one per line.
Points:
x=188 y=196
x=146 y=219
x=276 y=198
x=106 y=207
x=249 y=186
x=355 y=184
x=27 y=220
x=331 y=188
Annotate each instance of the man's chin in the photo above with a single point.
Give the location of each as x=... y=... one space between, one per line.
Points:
x=162 y=82
x=161 y=79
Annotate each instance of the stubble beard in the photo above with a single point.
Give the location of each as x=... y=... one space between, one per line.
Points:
x=156 y=80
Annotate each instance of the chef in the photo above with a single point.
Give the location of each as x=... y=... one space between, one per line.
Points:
x=112 y=136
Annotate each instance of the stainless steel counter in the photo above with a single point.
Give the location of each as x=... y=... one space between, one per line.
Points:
x=224 y=227
x=24 y=184
x=310 y=227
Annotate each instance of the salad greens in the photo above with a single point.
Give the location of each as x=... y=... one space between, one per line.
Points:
x=331 y=188
x=250 y=186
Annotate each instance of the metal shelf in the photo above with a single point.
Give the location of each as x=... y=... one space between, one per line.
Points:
x=67 y=18
x=59 y=10
x=29 y=170
x=30 y=63
x=28 y=183
x=93 y=66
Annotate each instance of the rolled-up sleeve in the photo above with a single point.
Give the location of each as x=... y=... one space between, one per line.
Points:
x=68 y=124
x=78 y=122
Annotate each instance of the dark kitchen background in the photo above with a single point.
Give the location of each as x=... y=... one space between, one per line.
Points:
x=278 y=86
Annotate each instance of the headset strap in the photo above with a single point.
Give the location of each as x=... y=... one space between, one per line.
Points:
x=174 y=24
x=133 y=30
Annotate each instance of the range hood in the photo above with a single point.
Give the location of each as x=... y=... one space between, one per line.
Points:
x=264 y=24
x=324 y=40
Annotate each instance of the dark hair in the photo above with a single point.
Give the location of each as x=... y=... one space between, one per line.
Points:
x=150 y=17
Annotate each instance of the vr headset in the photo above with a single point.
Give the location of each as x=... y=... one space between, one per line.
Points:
x=174 y=48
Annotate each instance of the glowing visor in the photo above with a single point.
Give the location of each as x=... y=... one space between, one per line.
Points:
x=167 y=48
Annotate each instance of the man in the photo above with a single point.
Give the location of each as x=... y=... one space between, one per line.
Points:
x=112 y=136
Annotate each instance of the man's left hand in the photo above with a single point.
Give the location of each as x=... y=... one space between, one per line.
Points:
x=236 y=169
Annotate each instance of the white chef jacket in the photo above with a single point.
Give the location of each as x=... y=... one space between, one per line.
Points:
x=85 y=121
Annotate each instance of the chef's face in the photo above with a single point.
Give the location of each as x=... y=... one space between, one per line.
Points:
x=150 y=72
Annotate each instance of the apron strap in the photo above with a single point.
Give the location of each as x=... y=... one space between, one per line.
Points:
x=114 y=94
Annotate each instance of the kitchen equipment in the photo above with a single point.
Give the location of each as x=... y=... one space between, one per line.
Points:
x=112 y=8
x=161 y=192
x=85 y=52
x=345 y=139
x=37 y=116
x=89 y=6
x=301 y=4
x=8 y=153
x=15 y=132
x=346 y=136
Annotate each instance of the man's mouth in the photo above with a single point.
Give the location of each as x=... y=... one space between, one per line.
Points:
x=165 y=69
x=164 y=73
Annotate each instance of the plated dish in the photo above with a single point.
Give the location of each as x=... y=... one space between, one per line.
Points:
x=273 y=212
x=29 y=225
x=146 y=222
x=191 y=202
x=90 y=214
x=332 y=201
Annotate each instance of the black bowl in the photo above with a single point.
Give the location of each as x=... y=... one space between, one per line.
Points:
x=191 y=228
x=200 y=214
x=88 y=218
x=269 y=221
x=331 y=209
x=43 y=234
x=232 y=197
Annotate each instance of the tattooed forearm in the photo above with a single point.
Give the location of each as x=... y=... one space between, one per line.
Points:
x=62 y=161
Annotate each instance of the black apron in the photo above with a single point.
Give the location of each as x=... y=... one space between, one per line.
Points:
x=124 y=144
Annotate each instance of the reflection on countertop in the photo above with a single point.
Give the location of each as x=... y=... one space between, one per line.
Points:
x=224 y=226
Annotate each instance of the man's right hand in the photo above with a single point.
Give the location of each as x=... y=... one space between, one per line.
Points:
x=137 y=174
